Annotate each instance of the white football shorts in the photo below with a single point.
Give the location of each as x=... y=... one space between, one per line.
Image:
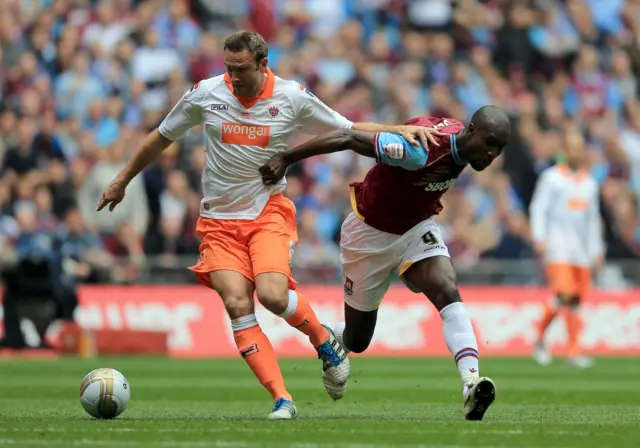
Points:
x=370 y=258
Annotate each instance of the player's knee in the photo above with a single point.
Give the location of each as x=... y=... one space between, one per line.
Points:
x=273 y=297
x=445 y=294
x=574 y=301
x=565 y=298
x=237 y=306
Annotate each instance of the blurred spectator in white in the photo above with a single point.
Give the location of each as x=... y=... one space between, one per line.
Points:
x=152 y=63
x=133 y=208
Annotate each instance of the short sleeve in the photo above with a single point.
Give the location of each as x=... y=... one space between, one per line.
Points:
x=395 y=150
x=187 y=113
x=315 y=117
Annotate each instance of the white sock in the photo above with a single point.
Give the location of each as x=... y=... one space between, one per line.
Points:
x=460 y=339
x=292 y=305
x=338 y=330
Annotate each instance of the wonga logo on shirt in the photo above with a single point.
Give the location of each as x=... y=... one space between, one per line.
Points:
x=245 y=134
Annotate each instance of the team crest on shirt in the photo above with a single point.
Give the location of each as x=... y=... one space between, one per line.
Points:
x=348 y=286
x=395 y=150
x=273 y=111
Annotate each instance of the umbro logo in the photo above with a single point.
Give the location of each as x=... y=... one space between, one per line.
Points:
x=219 y=107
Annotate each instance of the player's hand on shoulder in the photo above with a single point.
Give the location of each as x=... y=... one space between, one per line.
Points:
x=274 y=169
x=420 y=134
x=113 y=195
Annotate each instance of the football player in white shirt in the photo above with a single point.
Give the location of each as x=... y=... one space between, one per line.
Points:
x=248 y=229
x=565 y=226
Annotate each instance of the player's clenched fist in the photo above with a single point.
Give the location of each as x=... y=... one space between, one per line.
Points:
x=274 y=169
x=112 y=196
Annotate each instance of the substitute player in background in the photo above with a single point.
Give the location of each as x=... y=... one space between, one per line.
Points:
x=392 y=229
x=248 y=230
x=565 y=226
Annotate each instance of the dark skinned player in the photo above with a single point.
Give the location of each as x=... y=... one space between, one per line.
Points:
x=392 y=230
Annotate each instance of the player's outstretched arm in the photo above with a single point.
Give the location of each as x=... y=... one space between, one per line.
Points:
x=415 y=135
x=387 y=148
x=334 y=141
x=149 y=151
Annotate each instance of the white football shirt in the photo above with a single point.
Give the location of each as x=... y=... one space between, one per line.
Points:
x=565 y=216
x=241 y=136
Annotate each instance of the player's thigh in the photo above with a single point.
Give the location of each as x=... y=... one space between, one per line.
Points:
x=426 y=266
x=221 y=249
x=562 y=280
x=435 y=278
x=368 y=257
x=582 y=279
x=271 y=242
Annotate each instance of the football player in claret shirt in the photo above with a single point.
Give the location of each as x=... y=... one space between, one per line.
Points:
x=392 y=229
x=248 y=230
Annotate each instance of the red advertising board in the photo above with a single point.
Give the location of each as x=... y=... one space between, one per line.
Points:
x=504 y=318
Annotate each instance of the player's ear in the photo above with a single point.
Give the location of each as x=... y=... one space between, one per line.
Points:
x=471 y=128
x=262 y=64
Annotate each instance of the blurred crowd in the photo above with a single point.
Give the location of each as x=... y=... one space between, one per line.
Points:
x=83 y=81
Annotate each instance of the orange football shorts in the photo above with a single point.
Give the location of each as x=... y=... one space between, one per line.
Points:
x=250 y=247
x=567 y=279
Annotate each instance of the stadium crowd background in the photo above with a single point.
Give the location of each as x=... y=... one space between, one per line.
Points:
x=83 y=81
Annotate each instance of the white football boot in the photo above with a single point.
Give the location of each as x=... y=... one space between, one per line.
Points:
x=284 y=410
x=335 y=366
x=542 y=356
x=580 y=361
x=479 y=393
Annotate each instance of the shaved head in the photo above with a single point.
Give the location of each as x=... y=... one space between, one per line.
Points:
x=494 y=119
x=486 y=136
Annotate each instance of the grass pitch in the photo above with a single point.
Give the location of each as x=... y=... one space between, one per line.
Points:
x=391 y=402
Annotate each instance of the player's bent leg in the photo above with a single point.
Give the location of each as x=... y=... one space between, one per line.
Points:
x=298 y=313
x=436 y=278
x=255 y=348
x=271 y=244
x=272 y=289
